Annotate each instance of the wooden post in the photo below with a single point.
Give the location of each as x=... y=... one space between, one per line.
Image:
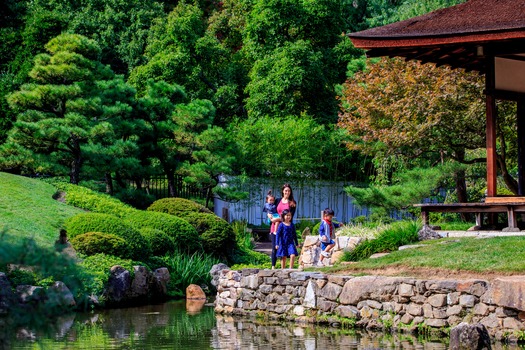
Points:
x=520 y=115
x=491 y=128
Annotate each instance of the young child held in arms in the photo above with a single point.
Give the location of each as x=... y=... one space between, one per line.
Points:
x=326 y=234
x=270 y=209
x=286 y=240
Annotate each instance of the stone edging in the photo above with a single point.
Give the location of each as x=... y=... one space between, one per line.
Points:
x=376 y=302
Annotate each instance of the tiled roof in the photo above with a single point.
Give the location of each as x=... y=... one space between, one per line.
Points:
x=474 y=16
x=458 y=36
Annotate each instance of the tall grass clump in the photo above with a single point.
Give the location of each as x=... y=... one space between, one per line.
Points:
x=390 y=239
x=243 y=237
x=187 y=269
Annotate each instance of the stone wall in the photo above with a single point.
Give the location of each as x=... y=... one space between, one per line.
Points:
x=374 y=302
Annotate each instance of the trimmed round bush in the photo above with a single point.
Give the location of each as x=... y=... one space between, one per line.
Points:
x=183 y=234
x=180 y=207
x=159 y=241
x=109 y=224
x=218 y=237
x=91 y=243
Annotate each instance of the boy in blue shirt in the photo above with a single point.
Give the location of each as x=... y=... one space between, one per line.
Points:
x=326 y=234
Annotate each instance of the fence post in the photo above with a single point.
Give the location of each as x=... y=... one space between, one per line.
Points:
x=226 y=214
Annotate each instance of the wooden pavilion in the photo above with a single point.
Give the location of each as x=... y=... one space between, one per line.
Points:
x=487 y=36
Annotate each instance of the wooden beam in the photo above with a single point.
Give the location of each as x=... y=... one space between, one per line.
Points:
x=505 y=95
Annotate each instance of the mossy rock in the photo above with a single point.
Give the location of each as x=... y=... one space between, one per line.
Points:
x=160 y=242
x=180 y=207
x=183 y=234
x=218 y=237
x=91 y=243
x=109 y=224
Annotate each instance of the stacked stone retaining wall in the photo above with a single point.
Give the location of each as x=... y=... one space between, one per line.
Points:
x=375 y=302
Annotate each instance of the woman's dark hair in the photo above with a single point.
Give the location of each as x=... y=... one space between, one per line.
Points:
x=292 y=201
x=284 y=212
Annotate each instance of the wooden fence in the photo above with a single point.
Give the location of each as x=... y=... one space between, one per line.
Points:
x=158 y=186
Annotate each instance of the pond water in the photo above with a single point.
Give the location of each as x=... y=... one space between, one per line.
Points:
x=175 y=325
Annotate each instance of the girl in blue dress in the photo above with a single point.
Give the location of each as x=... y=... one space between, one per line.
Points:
x=286 y=239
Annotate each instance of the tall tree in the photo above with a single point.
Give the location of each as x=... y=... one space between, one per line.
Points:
x=214 y=156
x=416 y=111
x=60 y=112
x=172 y=125
x=299 y=55
x=180 y=51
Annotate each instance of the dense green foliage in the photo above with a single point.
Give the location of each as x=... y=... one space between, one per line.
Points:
x=216 y=234
x=180 y=207
x=109 y=224
x=183 y=234
x=84 y=198
x=160 y=242
x=91 y=243
x=43 y=266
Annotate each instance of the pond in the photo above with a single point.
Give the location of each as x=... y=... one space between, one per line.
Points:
x=174 y=325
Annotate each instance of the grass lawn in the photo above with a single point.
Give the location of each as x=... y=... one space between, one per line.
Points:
x=27 y=209
x=469 y=257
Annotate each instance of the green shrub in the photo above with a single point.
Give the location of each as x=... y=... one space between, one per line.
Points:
x=91 y=243
x=109 y=224
x=180 y=207
x=20 y=276
x=136 y=198
x=183 y=234
x=218 y=237
x=160 y=242
x=87 y=199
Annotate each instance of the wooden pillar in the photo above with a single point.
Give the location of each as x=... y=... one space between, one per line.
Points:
x=491 y=129
x=521 y=146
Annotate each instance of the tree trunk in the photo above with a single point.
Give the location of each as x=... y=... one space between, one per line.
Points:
x=511 y=183
x=109 y=183
x=172 y=188
x=76 y=163
x=461 y=184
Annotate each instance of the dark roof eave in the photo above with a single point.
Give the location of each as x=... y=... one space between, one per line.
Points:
x=479 y=38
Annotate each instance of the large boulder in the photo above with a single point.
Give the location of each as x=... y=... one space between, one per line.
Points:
x=469 y=337
x=59 y=295
x=119 y=283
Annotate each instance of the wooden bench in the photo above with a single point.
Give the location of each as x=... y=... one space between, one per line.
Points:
x=510 y=208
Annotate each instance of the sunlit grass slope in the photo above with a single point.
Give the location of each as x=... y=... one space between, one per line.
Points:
x=27 y=209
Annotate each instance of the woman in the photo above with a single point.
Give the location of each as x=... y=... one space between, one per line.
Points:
x=285 y=202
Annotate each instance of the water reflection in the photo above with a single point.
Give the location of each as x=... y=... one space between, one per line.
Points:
x=178 y=325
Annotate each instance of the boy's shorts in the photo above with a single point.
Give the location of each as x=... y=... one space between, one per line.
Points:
x=326 y=244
